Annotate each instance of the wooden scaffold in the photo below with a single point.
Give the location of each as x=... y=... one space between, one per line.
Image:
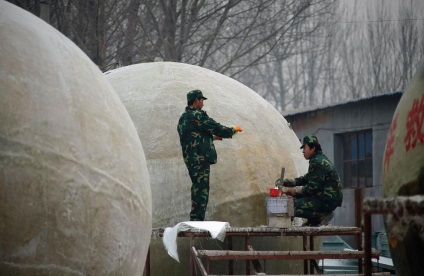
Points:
x=252 y=256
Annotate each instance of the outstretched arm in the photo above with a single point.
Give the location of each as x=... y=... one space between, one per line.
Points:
x=209 y=125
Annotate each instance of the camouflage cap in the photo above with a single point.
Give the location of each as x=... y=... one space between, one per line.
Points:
x=195 y=94
x=309 y=139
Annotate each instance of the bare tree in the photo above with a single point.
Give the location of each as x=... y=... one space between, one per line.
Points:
x=128 y=30
x=349 y=51
x=296 y=69
x=91 y=24
x=226 y=36
x=330 y=88
x=293 y=52
x=232 y=37
x=33 y=6
x=378 y=39
x=408 y=42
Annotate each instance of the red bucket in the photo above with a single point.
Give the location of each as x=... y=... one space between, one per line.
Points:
x=273 y=192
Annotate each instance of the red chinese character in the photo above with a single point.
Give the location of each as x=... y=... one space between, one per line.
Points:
x=389 y=143
x=414 y=124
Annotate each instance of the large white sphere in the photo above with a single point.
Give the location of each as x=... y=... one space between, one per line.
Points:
x=403 y=175
x=155 y=97
x=75 y=196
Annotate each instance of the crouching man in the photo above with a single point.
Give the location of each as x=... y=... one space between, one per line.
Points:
x=319 y=192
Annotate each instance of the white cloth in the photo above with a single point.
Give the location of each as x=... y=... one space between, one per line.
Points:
x=217 y=230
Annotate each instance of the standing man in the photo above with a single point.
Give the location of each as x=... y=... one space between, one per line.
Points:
x=319 y=192
x=197 y=132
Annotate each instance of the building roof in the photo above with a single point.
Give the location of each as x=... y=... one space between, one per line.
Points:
x=320 y=107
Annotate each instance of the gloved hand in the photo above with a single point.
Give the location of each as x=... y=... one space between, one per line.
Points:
x=289 y=191
x=217 y=138
x=289 y=182
x=238 y=129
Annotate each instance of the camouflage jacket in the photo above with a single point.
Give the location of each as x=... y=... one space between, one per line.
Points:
x=322 y=180
x=196 y=130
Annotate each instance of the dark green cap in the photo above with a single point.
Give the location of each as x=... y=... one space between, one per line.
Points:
x=309 y=139
x=195 y=94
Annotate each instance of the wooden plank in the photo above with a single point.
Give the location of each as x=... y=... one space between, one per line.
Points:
x=270 y=231
x=285 y=255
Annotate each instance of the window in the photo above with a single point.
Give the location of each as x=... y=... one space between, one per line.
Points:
x=357 y=159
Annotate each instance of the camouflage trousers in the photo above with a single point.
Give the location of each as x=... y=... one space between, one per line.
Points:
x=199 y=174
x=312 y=208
